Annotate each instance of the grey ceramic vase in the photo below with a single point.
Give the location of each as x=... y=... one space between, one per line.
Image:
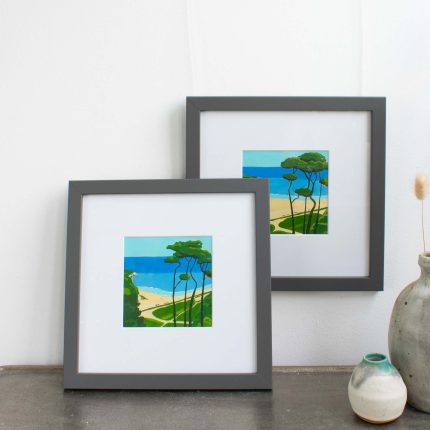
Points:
x=409 y=337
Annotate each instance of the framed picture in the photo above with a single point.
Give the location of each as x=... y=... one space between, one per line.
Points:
x=168 y=285
x=325 y=161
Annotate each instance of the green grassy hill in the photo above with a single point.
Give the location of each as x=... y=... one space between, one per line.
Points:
x=166 y=312
x=131 y=316
x=298 y=222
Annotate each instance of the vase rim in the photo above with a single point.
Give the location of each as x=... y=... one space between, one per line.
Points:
x=375 y=358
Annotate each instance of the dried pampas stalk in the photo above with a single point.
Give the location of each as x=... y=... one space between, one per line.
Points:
x=421 y=188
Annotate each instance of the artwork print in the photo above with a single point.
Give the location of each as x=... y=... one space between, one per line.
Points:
x=298 y=188
x=168 y=281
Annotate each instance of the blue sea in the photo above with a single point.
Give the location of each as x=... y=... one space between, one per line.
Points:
x=155 y=275
x=278 y=185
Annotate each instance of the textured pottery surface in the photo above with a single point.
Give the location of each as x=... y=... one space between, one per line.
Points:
x=376 y=390
x=409 y=337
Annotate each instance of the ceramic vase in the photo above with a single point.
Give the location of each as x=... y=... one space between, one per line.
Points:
x=409 y=337
x=376 y=390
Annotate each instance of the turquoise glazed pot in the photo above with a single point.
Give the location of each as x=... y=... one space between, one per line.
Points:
x=376 y=390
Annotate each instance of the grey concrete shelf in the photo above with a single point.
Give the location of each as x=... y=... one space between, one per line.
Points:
x=302 y=398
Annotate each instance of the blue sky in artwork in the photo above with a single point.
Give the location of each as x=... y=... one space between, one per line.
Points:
x=156 y=246
x=270 y=158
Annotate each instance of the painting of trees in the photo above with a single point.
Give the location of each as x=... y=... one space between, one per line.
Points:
x=312 y=165
x=298 y=185
x=192 y=253
x=168 y=281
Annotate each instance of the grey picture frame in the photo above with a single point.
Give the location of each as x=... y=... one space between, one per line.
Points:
x=377 y=108
x=261 y=380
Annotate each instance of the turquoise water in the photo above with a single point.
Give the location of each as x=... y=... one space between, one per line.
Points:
x=163 y=282
x=278 y=185
x=155 y=275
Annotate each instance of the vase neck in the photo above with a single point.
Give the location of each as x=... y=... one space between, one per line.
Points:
x=424 y=263
x=377 y=361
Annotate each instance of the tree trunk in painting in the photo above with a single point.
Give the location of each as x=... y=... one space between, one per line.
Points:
x=185 y=293
x=291 y=208
x=308 y=228
x=190 y=318
x=202 y=297
x=306 y=204
x=304 y=216
x=319 y=206
x=173 y=294
x=290 y=177
x=322 y=182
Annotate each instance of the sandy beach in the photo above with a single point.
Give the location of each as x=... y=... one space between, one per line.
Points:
x=281 y=207
x=149 y=300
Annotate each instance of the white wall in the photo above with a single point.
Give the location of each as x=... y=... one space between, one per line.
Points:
x=95 y=89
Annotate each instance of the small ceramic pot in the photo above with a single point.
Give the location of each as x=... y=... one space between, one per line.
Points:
x=376 y=390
